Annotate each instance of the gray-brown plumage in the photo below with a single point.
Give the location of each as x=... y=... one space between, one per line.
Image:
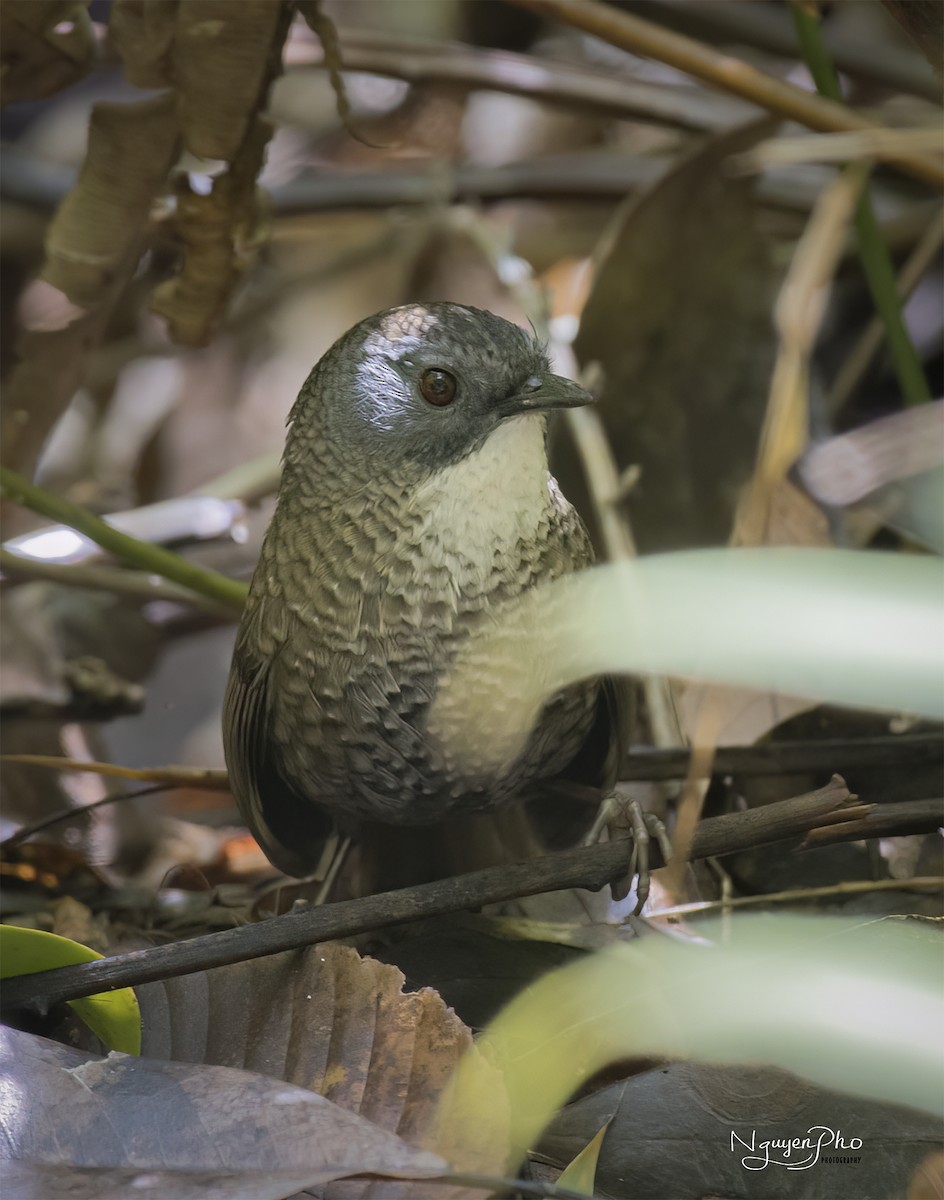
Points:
x=415 y=498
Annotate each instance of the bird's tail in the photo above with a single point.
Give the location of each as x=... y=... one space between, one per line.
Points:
x=385 y=857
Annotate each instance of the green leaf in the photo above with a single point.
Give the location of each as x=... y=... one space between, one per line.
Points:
x=112 y=1016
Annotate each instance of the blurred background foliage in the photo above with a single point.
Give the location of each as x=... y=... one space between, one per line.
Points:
x=481 y=145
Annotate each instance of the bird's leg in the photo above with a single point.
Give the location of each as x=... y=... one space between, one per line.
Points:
x=333 y=858
x=623 y=817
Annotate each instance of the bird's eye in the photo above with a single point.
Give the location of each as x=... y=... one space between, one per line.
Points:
x=438 y=387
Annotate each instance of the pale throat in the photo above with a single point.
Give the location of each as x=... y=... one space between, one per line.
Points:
x=497 y=495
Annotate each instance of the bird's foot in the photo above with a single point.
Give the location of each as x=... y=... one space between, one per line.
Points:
x=623 y=817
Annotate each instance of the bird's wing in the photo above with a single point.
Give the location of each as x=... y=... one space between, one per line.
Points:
x=598 y=761
x=562 y=809
x=286 y=824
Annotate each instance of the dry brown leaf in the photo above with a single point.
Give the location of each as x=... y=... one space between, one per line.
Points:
x=793 y=519
x=143 y=36
x=120 y=1118
x=93 y=247
x=216 y=230
x=678 y=318
x=671 y=1128
x=221 y=58
x=844 y=469
x=772 y=511
x=131 y=149
x=927 y=1183
x=46 y=45
x=326 y=1019
x=73 y=919
x=225 y=56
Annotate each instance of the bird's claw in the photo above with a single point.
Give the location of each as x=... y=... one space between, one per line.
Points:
x=622 y=818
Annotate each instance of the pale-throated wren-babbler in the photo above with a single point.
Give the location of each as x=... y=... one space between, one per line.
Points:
x=415 y=498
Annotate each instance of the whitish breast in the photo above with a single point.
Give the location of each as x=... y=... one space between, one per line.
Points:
x=502 y=493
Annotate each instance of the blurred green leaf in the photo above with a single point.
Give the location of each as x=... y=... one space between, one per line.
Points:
x=855 y=1008
x=846 y=627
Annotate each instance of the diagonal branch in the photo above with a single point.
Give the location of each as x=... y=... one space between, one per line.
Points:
x=588 y=867
x=144 y=555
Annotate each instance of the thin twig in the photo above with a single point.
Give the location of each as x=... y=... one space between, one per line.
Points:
x=911 y=750
x=876 y=262
x=603 y=480
x=116 y=580
x=324 y=28
x=873 y=144
x=183 y=519
x=573 y=85
x=73 y=812
x=798 y=315
x=326 y=32
x=207 y=779
x=768 y=27
x=850 y=887
x=144 y=555
x=721 y=70
x=590 y=867
x=592 y=175
x=882 y=820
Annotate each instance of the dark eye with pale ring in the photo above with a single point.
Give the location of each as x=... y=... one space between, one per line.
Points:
x=438 y=387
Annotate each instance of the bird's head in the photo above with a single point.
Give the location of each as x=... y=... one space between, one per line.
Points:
x=423 y=386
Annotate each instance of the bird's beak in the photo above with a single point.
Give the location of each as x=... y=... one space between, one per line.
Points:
x=542 y=392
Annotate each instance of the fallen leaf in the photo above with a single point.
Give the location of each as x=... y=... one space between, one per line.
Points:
x=670 y=1134
x=326 y=1019
x=77 y=1112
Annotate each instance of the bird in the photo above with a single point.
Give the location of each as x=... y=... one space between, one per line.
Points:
x=415 y=499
